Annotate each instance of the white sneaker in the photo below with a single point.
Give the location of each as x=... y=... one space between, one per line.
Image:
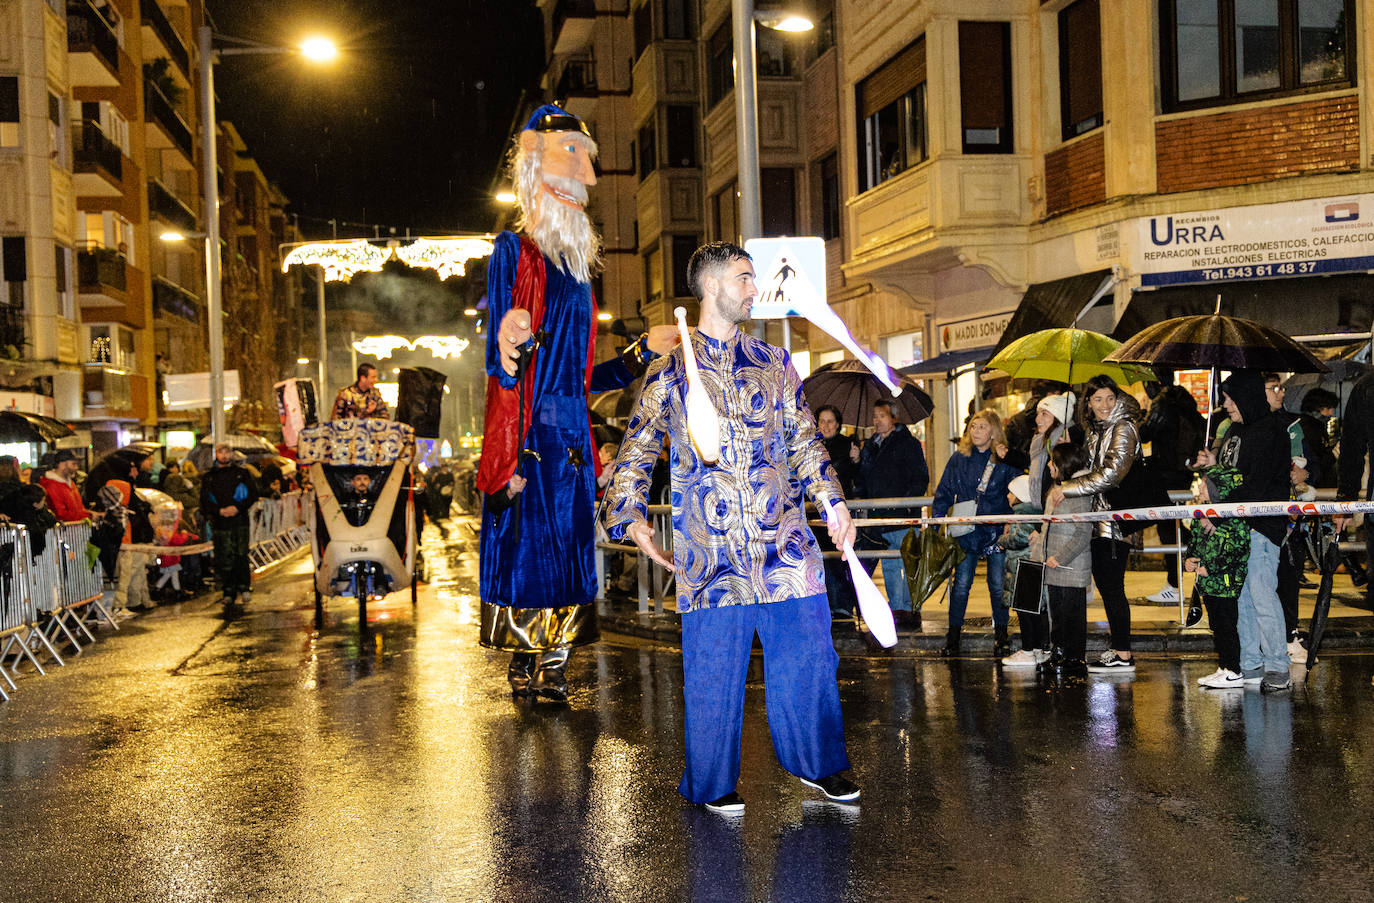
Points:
x=1020 y=659
x=1297 y=654
x=1222 y=679
x=1166 y=594
x=1110 y=661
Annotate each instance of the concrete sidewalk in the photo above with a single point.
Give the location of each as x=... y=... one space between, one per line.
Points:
x=1154 y=627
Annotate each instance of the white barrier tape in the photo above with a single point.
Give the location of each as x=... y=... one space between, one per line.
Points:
x=150 y=549
x=1172 y=512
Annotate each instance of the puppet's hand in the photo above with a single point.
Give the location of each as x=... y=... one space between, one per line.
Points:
x=513 y=332
x=662 y=339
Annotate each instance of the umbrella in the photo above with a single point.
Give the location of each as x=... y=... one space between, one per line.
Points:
x=247 y=444
x=1327 y=560
x=1218 y=342
x=850 y=387
x=1065 y=355
x=137 y=451
x=22 y=426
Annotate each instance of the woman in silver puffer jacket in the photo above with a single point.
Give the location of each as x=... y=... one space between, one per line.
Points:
x=1111 y=419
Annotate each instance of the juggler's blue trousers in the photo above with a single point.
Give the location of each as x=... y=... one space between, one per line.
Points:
x=800 y=692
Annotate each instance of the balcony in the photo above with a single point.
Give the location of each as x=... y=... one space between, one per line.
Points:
x=92 y=47
x=161 y=39
x=573 y=21
x=11 y=331
x=921 y=220
x=577 y=80
x=109 y=290
x=169 y=208
x=97 y=161
x=107 y=392
x=172 y=300
x=169 y=129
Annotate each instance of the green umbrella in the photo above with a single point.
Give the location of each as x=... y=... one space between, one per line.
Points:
x=1065 y=355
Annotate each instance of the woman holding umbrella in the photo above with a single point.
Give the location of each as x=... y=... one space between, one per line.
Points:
x=1110 y=418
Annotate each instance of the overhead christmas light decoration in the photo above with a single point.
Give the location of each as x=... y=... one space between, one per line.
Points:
x=446 y=256
x=382 y=346
x=342 y=259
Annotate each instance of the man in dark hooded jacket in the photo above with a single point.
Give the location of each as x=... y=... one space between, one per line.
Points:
x=1257 y=445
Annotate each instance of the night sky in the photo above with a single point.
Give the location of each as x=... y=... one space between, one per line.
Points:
x=406 y=129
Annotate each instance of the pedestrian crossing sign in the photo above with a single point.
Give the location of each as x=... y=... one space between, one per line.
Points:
x=790 y=273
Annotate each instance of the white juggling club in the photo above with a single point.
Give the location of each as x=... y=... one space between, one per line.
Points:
x=876 y=613
x=703 y=423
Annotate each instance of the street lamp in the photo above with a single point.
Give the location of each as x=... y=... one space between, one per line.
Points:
x=315 y=49
x=747 y=102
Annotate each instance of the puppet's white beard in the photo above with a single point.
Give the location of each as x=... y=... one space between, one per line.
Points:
x=565 y=231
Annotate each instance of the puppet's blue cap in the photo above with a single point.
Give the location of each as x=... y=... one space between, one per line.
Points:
x=551 y=118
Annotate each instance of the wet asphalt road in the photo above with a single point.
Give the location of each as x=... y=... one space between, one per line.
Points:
x=194 y=757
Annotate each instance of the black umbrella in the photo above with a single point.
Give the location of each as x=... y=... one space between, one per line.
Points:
x=1218 y=342
x=137 y=451
x=22 y=426
x=850 y=387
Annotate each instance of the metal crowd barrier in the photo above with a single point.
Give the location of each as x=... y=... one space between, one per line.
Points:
x=30 y=588
x=277 y=527
x=653 y=583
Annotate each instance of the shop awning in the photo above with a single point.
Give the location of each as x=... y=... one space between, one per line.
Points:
x=1048 y=305
x=942 y=364
x=1306 y=305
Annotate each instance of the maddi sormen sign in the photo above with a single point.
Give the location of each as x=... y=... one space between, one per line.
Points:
x=1266 y=241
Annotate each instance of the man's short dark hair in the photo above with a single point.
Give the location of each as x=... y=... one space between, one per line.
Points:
x=708 y=259
x=891 y=408
x=364 y=367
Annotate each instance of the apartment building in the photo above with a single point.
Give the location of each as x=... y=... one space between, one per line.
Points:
x=983 y=168
x=100 y=156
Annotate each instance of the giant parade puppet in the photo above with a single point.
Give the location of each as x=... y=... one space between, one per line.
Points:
x=539 y=466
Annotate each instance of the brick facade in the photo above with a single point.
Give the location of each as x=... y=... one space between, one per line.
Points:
x=1244 y=146
x=1075 y=176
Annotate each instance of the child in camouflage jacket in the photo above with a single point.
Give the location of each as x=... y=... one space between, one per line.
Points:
x=1218 y=553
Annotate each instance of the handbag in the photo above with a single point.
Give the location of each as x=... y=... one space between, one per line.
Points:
x=929 y=558
x=1028 y=592
x=969 y=507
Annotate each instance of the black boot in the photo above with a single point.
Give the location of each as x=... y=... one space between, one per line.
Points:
x=550 y=680
x=1001 y=643
x=521 y=664
x=951 y=646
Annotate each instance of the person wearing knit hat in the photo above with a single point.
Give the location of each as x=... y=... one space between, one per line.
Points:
x=1053 y=420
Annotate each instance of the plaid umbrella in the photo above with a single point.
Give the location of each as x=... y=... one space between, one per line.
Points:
x=850 y=387
x=1218 y=342
x=1065 y=355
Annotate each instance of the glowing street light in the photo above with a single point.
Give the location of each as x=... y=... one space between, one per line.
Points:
x=319 y=50
x=505 y=197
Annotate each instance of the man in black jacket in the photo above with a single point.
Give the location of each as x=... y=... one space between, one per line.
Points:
x=1257 y=445
x=227 y=491
x=1357 y=441
x=893 y=465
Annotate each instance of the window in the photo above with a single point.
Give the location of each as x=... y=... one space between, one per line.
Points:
x=830 y=197
x=66 y=302
x=9 y=111
x=648 y=151
x=778 y=201
x=774 y=53
x=892 y=117
x=1080 y=68
x=902 y=350
x=682 y=136
x=1226 y=51
x=14 y=270
x=677 y=20
x=725 y=214
x=985 y=86
x=57 y=131
x=720 y=75
x=653 y=274
x=823 y=35
x=644 y=29
x=683 y=248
